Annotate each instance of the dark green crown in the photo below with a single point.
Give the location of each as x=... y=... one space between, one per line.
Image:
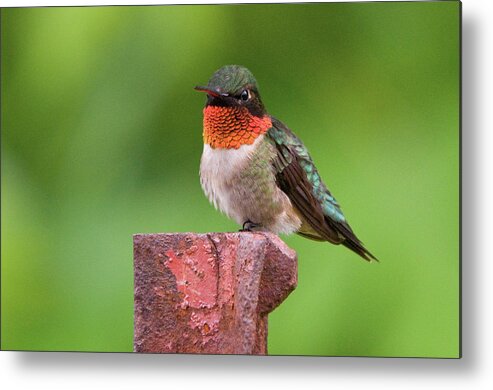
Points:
x=231 y=78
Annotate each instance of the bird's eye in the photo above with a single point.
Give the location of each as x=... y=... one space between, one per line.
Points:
x=244 y=95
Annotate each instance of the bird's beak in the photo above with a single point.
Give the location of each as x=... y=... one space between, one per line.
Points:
x=210 y=91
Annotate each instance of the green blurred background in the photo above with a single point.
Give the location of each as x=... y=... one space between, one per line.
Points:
x=101 y=139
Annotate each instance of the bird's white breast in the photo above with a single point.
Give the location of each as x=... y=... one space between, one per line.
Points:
x=219 y=169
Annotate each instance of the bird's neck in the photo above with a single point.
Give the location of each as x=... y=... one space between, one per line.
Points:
x=232 y=127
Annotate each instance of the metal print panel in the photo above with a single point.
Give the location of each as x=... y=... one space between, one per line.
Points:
x=339 y=124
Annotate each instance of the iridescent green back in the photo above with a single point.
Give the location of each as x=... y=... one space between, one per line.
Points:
x=283 y=136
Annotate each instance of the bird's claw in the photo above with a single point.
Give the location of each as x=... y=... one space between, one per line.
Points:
x=248 y=226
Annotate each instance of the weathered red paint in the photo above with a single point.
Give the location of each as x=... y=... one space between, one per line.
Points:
x=208 y=293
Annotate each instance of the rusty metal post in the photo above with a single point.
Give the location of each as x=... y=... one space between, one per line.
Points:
x=208 y=293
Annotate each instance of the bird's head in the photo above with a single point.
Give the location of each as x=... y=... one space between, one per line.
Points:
x=234 y=114
x=234 y=86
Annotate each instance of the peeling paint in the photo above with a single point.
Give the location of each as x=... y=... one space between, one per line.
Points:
x=208 y=293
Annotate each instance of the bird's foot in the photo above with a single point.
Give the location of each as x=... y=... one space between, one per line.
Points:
x=248 y=226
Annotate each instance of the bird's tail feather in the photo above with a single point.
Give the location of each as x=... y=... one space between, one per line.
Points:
x=357 y=247
x=350 y=240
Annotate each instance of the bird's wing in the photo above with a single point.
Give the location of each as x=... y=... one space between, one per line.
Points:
x=291 y=165
x=298 y=178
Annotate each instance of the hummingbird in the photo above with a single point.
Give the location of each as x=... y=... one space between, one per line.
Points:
x=257 y=171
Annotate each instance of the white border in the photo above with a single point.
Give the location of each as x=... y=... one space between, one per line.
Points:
x=35 y=3
x=474 y=371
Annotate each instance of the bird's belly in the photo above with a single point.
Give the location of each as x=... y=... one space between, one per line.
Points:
x=241 y=184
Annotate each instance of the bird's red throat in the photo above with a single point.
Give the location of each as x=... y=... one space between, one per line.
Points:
x=232 y=127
